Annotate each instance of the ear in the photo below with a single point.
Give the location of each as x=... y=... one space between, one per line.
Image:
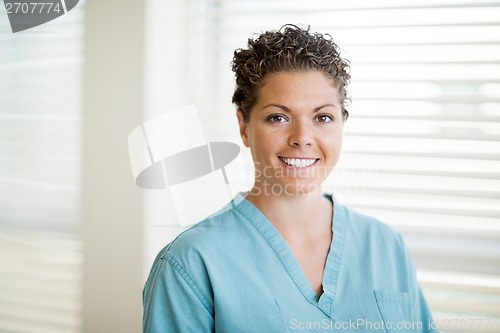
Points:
x=243 y=127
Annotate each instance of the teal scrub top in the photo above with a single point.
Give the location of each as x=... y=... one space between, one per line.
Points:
x=234 y=273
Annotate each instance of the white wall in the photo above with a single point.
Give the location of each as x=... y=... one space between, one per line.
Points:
x=112 y=225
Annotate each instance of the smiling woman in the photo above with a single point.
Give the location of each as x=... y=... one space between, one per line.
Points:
x=285 y=253
x=295 y=130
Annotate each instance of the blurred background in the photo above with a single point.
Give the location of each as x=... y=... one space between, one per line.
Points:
x=422 y=150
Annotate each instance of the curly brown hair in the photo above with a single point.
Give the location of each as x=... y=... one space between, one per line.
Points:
x=290 y=48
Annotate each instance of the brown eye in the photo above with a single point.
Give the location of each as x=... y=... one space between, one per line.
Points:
x=324 y=118
x=276 y=118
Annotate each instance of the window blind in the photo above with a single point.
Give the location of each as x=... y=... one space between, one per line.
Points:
x=421 y=150
x=41 y=123
x=41 y=80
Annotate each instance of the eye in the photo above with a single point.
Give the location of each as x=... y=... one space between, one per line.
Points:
x=324 y=118
x=276 y=118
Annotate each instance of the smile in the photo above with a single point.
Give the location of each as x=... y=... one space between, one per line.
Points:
x=298 y=162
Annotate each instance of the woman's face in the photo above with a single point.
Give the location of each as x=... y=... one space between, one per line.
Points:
x=294 y=132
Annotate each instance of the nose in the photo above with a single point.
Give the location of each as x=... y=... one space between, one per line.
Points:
x=301 y=135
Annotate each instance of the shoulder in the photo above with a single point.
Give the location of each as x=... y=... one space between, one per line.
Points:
x=376 y=244
x=216 y=234
x=369 y=230
x=371 y=224
x=198 y=253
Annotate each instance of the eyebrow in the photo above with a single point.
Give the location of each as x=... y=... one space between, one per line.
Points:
x=286 y=109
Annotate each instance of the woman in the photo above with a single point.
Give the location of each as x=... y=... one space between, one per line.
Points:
x=285 y=257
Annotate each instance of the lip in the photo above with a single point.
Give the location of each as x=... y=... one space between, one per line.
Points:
x=300 y=158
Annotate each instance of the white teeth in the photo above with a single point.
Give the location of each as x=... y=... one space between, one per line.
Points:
x=298 y=162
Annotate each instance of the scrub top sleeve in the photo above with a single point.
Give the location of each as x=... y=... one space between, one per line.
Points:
x=173 y=302
x=422 y=313
x=425 y=314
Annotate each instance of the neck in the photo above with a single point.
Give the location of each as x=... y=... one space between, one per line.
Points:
x=299 y=215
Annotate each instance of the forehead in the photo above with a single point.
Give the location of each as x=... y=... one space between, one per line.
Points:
x=303 y=89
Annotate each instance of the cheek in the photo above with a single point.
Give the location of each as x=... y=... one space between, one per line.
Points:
x=333 y=148
x=263 y=139
x=334 y=139
x=338 y=141
x=257 y=143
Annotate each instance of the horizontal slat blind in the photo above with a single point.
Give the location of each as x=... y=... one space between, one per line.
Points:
x=40 y=282
x=422 y=148
x=41 y=82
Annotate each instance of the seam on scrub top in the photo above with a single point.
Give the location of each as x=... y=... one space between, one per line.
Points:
x=190 y=282
x=379 y=309
x=147 y=312
x=410 y=264
x=414 y=288
x=339 y=230
x=314 y=301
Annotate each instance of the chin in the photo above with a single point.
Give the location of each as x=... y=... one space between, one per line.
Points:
x=297 y=187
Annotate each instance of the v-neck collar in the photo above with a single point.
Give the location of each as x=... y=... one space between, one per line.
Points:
x=287 y=258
